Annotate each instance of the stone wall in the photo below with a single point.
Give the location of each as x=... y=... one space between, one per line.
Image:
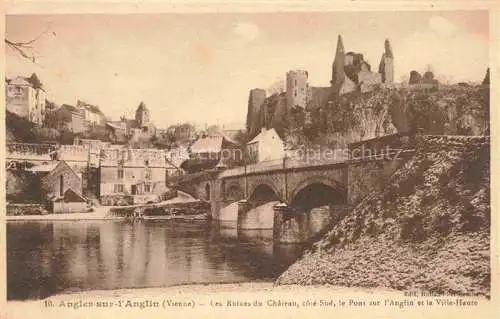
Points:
x=50 y=184
x=69 y=208
x=367 y=176
x=25 y=209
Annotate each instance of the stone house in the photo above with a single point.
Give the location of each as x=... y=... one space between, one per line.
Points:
x=56 y=178
x=70 y=118
x=266 y=146
x=25 y=98
x=58 y=186
x=135 y=130
x=92 y=115
x=212 y=151
x=132 y=175
x=117 y=131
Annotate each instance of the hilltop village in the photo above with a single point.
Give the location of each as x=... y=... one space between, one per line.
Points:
x=72 y=157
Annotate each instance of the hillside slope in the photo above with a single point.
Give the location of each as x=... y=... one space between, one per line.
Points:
x=428 y=230
x=451 y=110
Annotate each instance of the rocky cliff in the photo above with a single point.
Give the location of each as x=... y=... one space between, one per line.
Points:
x=352 y=117
x=428 y=230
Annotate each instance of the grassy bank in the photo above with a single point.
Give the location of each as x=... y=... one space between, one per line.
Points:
x=428 y=230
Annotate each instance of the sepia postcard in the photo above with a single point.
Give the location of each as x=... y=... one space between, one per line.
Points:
x=249 y=159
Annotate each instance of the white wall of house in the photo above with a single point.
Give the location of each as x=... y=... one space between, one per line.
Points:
x=269 y=146
x=25 y=101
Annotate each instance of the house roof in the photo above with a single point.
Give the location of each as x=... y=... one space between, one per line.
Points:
x=263 y=135
x=71 y=108
x=49 y=168
x=90 y=107
x=93 y=108
x=120 y=125
x=26 y=81
x=212 y=143
x=196 y=164
x=19 y=80
x=208 y=144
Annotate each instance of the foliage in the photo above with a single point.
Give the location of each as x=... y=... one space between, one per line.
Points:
x=35 y=81
x=20 y=129
x=45 y=134
x=66 y=137
x=241 y=137
x=97 y=132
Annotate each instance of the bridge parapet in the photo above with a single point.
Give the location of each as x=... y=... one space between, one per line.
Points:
x=277 y=165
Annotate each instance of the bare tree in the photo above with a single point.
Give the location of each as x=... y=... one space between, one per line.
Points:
x=25 y=48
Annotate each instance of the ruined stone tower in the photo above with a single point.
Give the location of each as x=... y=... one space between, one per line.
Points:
x=386 y=67
x=338 y=74
x=255 y=101
x=297 y=88
x=340 y=82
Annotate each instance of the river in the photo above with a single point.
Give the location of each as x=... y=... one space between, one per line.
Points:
x=51 y=257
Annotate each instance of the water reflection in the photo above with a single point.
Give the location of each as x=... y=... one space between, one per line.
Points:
x=45 y=258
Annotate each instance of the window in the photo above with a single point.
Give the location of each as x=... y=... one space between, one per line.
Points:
x=61 y=185
x=147 y=174
x=147 y=188
x=207 y=192
x=118 y=188
x=120 y=172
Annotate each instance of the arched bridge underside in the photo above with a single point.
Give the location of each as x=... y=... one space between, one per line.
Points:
x=300 y=189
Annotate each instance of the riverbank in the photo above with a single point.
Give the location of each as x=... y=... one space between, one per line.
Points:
x=107 y=212
x=428 y=229
x=247 y=299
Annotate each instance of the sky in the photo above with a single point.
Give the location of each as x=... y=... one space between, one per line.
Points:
x=199 y=68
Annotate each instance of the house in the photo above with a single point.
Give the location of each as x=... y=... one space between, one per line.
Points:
x=55 y=178
x=59 y=187
x=117 y=131
x=92 y=115
x=266 y=146
x=93 y=147
x=70 y=118
x=132 y=131
x=26 y=98
x=76 y=156
x=131 y=176
x=212 y=151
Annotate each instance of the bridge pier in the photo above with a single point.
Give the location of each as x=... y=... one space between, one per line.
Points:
x=248 y=218
x=289 y=227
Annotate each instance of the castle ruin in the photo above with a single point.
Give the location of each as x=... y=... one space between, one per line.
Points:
x=350 y=73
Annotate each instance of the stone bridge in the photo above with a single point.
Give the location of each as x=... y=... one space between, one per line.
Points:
x=295 y=185
x=312 y=195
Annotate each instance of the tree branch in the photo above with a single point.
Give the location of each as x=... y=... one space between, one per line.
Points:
x=22 y=47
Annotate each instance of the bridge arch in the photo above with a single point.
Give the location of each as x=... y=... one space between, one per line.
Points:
x=263 y=193
x=233 y=192
x=316 y=192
